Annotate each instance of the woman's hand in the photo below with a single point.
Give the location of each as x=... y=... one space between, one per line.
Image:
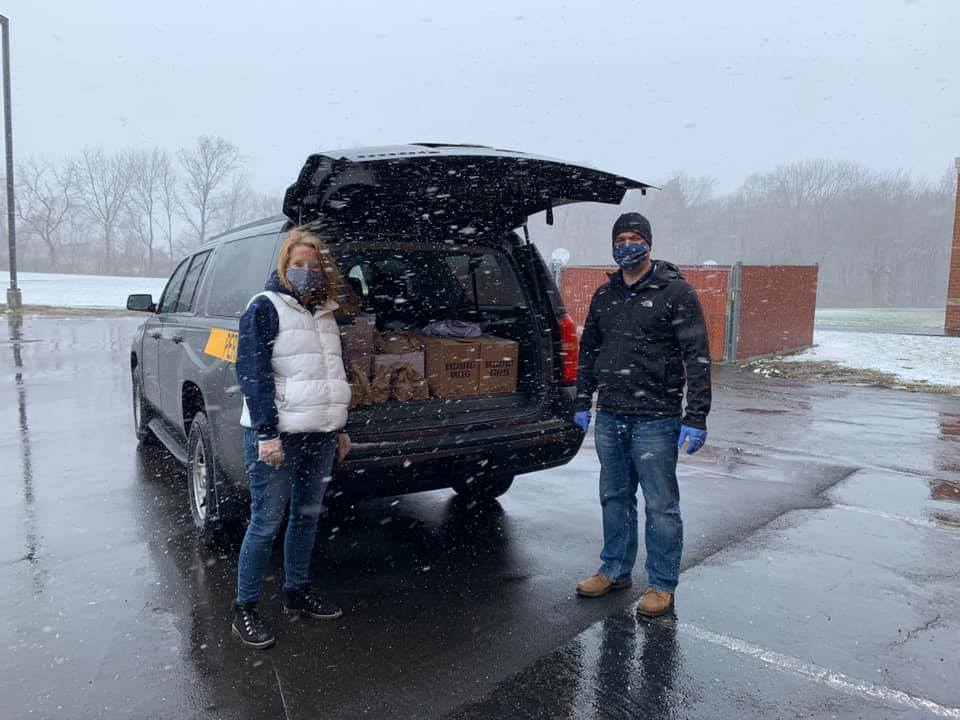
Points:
x=271 y=452
x=343 y=445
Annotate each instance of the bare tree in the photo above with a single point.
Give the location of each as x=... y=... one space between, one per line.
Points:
x=147 y=170
x=206 y=167
x=169 y=203
x=266 y=205
x=46 y=195
x=104 y=185
x=236 y=204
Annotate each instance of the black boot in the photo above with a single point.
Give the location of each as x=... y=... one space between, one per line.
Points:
x=250 y=627
x=304 y=601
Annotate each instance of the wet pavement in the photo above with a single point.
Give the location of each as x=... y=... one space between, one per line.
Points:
x=821 y=571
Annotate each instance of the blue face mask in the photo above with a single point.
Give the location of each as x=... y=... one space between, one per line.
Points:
x=306 y=281
x=630 y=256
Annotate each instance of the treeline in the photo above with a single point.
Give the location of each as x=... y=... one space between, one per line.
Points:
x=129 y=211
x=881 y=239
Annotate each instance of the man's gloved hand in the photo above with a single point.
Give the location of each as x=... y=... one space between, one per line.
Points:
x=694 y=437
x=581 y=419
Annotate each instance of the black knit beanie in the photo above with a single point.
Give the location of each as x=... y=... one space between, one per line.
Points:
x=633 y=222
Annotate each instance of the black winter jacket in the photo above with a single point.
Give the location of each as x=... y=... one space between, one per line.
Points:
x=640 y=344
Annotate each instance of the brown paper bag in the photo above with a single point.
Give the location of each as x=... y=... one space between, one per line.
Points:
x=407 y=384
x=359 y=386
x=398 y=382
x=398 y=343
x=380 y=386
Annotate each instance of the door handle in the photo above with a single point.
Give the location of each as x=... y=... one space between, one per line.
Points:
x=155 y=335
x=177 y=339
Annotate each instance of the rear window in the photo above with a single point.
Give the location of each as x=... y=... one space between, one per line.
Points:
x=391 y=279
x=486 y=279
x=240 y=270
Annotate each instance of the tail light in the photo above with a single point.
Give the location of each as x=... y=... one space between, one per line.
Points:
x=569 y=350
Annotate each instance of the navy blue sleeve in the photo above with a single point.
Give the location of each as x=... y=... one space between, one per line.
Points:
x=691 y=332
x=259 y=326
x=590 y=340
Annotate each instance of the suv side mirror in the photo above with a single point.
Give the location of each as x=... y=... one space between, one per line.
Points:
x=141 y=303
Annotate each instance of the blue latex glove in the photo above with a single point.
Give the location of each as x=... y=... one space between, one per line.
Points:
x=581 y=419
x=695 y=438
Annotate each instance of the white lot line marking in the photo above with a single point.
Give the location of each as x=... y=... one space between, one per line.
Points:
x=919 y=522
x=283 y=699
x=821 y=675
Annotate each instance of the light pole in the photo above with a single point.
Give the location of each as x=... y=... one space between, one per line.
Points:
x=14 y=300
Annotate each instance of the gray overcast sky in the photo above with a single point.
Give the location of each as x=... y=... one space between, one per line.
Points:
x=641 y=88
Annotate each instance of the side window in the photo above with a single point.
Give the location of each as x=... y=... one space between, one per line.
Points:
x=486 y=279
x=170 y=294
x=496 y=282
x=190 y=282
x=358 y=281
x=240 y=270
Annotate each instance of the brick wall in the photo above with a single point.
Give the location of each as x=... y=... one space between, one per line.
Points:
x=777 y=305
x=577 y=287
x=710 y=283
x=952 y=316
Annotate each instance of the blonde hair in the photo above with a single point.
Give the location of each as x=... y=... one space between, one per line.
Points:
x=304 y=236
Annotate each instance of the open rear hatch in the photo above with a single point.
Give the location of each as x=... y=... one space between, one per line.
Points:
x=466 y=190
x=423 y=233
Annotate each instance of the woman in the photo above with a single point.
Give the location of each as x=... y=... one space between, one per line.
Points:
x=295 y=404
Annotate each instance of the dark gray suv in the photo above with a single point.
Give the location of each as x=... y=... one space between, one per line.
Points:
x=421 y=232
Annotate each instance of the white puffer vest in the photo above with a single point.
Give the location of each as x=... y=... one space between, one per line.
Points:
x=312 y=393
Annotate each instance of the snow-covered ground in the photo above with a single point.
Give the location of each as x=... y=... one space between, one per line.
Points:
x=908 y=320
x=903 y=342
x=912 y=358
x=81 y=291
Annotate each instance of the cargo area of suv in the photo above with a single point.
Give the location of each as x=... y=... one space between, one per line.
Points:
x=405 y=287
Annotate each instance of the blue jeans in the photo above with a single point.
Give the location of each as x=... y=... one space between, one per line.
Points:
x=301 y=480
x=636 y=450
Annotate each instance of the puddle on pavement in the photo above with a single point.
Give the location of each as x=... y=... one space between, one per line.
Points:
x=933 y=500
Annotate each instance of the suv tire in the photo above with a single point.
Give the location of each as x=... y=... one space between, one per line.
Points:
x=142 y=411
x=210 y=507
x=484 y=488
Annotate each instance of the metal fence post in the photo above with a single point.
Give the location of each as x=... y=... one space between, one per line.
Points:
x=733 y=314
x=14 y=300
x=557 y=273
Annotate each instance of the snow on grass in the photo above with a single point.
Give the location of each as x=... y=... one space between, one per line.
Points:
x=81 y=291
x=911 y=358
x=918 y=319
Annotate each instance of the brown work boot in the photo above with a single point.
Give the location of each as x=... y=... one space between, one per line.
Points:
x=654 y=603
x=598 y=585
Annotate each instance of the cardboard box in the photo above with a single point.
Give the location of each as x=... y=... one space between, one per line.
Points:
x=413 y=359
x=498 y=365
x=452 y=366
x=358 y=335
x=356 y=341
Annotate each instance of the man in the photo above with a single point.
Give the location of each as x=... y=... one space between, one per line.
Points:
x=644 y=339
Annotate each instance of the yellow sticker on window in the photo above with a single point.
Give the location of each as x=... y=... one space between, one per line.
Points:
x=222 y=344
